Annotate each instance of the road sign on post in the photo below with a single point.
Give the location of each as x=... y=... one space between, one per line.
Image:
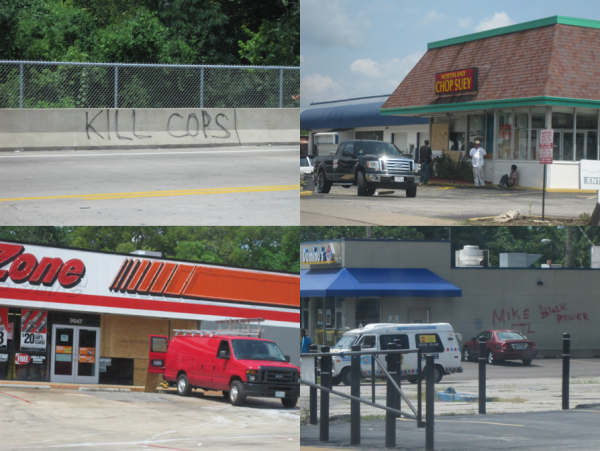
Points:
x=546 y=149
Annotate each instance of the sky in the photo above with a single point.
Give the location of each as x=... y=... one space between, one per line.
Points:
x=358 y=48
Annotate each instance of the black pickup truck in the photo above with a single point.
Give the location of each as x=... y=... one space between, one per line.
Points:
x=369 y=165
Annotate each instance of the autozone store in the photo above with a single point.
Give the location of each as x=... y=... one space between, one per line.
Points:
x=503 y=87
x=78 y=316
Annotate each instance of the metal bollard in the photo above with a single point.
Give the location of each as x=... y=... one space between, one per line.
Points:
x=420 y=423
x=313 y=392
x=325 y=382
x=372 y=379
x=355 y=405
x=399 y=382
x=482 y=363
x=390 y=417
x=566 y=368
x=429 y=395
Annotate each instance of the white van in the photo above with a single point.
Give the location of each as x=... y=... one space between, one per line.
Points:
x=437 y=339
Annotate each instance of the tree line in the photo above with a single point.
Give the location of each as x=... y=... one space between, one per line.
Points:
x=271 y=248
x=230 y=32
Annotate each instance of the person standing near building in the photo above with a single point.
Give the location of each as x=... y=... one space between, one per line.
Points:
x=305 y=341
x=425 y=160
x=477 y=154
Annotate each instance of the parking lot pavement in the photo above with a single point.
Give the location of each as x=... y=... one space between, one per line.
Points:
x=75 y=420
x=548 y=431
x=436 y=202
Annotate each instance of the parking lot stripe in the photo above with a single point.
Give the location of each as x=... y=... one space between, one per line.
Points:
x=8 y=394
x=164 y=447
x=481 y=422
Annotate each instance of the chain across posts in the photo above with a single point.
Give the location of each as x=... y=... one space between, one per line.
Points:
x=355 y=391
x=325 y=382
x=482 y=363
x=566 y=368
x=429 y=394
x=313 y=392
x=390 y=417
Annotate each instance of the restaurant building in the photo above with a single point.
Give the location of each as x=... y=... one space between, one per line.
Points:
x=348 y=283
x=76 y=316
x=502 y=87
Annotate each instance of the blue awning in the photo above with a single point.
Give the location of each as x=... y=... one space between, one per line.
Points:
x=351 y=116
x=376 y=282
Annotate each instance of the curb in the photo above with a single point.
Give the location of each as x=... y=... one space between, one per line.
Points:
x=36 y=387
x=492 y=186
x=109 y=389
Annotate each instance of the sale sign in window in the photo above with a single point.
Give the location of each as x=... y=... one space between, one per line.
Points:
x=33 y=330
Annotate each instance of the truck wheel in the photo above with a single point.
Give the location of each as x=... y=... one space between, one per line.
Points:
x=323 y=186
x=411 y=192
x=183 y=385
x=361 y=182
x=236 y=393
x=289 y=402
x=346 y=376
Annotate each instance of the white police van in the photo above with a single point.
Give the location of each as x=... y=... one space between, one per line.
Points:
x=438 y=340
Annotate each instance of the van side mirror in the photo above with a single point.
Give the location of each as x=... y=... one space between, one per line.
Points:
x=287 y=358
x=223 y=355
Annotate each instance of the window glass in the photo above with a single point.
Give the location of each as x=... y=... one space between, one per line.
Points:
x=457 y=133
x=510 y=336
x=373 y=148
x=350 y=147
x=346 y=342
x=367 y=341
x=159 y=344
x=367 y=311
x=384 y=340
x=429 y=342
x=477 y=128
x=303 y=162
x=587 y=126
x=256 y=350
x=340 y=149
x=504 y=135
x=372 y=134
x=562 y=120
x=591 y=146
x=520 y=136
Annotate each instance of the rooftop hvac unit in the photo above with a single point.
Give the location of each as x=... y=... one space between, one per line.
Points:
x=595 y=257
x=470 y=256
x=518 y=260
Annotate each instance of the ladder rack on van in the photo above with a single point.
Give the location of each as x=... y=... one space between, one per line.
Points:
x=241 y=327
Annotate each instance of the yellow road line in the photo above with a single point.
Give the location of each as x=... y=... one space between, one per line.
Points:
x=188 y=192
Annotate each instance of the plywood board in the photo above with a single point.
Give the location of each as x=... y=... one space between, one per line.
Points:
x=439 y=136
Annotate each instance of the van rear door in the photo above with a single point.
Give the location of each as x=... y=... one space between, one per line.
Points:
x=158 y=354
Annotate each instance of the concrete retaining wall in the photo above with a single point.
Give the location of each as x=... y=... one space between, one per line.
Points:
x=124 y=128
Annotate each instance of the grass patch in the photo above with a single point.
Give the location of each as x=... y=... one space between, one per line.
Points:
x=584 y=381
x=515 y=400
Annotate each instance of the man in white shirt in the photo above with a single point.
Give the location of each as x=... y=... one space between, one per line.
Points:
x=477 y=154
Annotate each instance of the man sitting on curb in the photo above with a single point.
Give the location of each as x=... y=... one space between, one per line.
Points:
x=511 y=180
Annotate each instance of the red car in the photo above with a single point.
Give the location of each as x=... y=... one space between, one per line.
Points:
x=501 y=344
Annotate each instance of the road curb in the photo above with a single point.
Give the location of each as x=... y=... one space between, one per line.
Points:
x=35 y=387
x=109 y=389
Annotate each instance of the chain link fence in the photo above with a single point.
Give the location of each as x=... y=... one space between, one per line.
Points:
x=27 y=84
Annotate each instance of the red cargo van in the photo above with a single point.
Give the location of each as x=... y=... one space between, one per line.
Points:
x=240 y=366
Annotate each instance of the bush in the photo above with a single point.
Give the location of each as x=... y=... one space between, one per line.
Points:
x=445 y=167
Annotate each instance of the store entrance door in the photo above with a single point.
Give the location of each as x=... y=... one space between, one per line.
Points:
x=75 y=354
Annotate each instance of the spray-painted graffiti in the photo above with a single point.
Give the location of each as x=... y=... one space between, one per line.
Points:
x=193 y=126
x=519 y=318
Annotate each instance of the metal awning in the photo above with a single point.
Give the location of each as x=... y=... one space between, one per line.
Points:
x=376 y=282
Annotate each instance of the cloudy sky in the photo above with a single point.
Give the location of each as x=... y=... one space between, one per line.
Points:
x=356 y=48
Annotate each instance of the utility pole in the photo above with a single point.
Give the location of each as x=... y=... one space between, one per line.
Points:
x=569 y=239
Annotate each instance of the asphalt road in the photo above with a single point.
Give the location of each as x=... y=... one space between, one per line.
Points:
x=435 y=205
x=220 y=186
x=76 y=420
